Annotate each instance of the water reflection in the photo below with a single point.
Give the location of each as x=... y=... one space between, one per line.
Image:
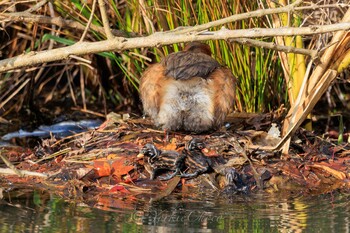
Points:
x=41 y=212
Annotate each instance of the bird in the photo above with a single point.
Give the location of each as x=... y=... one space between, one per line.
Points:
x=156 y=161
x=188 y=91
x=195 y=161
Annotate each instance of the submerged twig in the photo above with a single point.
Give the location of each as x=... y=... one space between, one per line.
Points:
x=9 y=171
x=58 y=153
x=169 y=189
x=12 y=170
x=10 y=165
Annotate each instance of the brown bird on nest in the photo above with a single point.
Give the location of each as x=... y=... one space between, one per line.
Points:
x=188 y=90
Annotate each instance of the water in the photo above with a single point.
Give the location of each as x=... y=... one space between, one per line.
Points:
x=43 y=212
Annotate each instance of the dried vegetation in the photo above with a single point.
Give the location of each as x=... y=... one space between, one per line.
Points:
x=294 y=71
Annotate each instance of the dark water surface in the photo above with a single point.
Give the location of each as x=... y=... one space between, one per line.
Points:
x=42 y=212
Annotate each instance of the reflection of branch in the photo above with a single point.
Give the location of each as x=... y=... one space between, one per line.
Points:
x=273 y=46
x=156 y=40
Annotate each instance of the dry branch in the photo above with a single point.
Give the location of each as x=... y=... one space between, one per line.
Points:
x=37 y=6
x=8 y=171
x=323 y=74
x=10 y=165
x=89 y=22
x=58 y=21
x=158 y=39
x=238 y=17
x=321 y=78
x=105 y=20
x=269 y=45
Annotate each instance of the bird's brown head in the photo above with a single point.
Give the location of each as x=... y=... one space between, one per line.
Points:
x=198 y=47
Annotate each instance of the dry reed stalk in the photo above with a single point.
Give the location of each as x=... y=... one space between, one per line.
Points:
x=322 y=76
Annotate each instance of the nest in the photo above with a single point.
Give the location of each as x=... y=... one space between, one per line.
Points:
x=104 y=163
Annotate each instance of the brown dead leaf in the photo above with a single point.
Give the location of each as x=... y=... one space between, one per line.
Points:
x=337 y=174
x=102 y=168
x=262 y=138
x=172 y=145
x=236 y=161
x=112 y=156
x=121 y=167
x=81 y=172
x=119 y=188
x=291 y=169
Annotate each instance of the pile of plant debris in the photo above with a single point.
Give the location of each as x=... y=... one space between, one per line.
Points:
x=104 y=166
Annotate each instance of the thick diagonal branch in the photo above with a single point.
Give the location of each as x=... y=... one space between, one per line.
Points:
x=156 y=40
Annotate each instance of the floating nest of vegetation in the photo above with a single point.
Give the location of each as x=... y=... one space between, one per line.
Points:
x=109 y=163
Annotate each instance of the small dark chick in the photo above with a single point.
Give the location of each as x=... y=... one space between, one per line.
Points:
x=195 y=160
x=157 y=161
x=198 y=164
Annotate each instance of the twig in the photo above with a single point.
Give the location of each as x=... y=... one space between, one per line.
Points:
x=10 y=165
x=156 y=40
x=288 y=49
x=83 y=60
x=14 y=93
x=323 y=74
x=89 y=22
x=8 y=171
x=58 y=153
x=105 y=21
x=51 y=44
x=36 y=6
x=171 y=185
x=316 y=6
x=233 y=18
x=89 y=112
x=58 y=21
x=258 y=13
